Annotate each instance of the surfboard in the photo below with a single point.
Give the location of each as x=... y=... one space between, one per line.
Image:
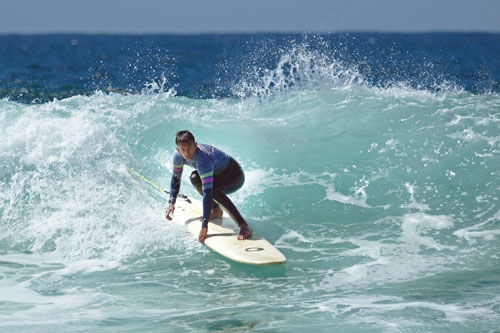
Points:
x=222 y=233
x=222 y=236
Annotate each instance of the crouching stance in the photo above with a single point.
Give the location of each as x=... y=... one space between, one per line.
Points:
x=217 y=174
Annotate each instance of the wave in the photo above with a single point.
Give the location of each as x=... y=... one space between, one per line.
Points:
x=298 y=68
x=394 y=151
x=318 y=65
x=380 y=192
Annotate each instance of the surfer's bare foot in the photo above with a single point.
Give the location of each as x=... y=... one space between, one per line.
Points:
x=245 y=232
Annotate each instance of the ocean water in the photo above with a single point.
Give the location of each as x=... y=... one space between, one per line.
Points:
x=372 y=162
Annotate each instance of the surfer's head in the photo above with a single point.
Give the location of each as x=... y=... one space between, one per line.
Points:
x=186 y=145
x=184 y=136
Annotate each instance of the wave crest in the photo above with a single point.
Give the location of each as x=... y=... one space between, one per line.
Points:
x=298 y=68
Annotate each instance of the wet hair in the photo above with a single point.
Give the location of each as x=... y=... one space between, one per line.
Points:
x=185 y=137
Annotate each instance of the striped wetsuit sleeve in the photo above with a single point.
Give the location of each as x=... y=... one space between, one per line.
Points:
x=175 y=183
x=208 y=198
x=207 y=180
x=177 y=169
x=175 y=186
x=206 y=167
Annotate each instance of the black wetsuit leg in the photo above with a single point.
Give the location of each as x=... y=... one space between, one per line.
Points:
x=228 y=181
x=196 y=181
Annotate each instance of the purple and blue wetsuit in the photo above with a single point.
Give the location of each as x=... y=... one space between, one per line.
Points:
x=216 y=175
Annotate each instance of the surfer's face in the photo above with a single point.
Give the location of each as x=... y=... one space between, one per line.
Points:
x=187 y=150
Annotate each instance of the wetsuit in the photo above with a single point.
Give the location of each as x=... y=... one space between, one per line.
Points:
x=216 y=175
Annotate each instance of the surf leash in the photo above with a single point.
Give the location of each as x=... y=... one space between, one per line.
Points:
x=182 y=196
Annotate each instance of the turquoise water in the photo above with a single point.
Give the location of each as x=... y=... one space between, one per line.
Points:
x=384 y=199
x=385 y=202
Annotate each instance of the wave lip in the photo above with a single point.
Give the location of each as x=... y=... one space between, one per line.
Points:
x=298 y=68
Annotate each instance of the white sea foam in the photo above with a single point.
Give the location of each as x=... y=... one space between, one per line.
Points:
x=417 y=227
x=358 y=198
x=70 y=192
x=413 y=204
x=481 y=230
x=370 y=310
x=299 y=243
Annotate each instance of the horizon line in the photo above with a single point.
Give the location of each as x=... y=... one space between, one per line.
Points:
x=256 y=32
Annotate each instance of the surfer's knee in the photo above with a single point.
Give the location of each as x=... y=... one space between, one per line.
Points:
x=196 y=181
x=195 y=178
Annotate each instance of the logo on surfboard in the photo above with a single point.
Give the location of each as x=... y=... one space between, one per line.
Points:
x=254 y=249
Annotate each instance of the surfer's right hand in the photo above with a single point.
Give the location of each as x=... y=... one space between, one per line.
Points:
x=170 y=210
x=203 y=235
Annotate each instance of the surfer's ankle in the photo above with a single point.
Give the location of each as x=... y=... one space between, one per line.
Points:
x=245 y=232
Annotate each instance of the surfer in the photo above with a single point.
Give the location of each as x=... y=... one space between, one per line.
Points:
x=216 y=175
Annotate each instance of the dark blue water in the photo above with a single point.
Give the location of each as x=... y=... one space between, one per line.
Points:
x=42 y=67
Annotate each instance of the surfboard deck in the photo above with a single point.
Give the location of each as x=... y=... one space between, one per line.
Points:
x=222 y=236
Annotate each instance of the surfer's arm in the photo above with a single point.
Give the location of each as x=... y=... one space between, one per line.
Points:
x=175 y=182
x=208 y=197
x=175 y=186
x=207 y=179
